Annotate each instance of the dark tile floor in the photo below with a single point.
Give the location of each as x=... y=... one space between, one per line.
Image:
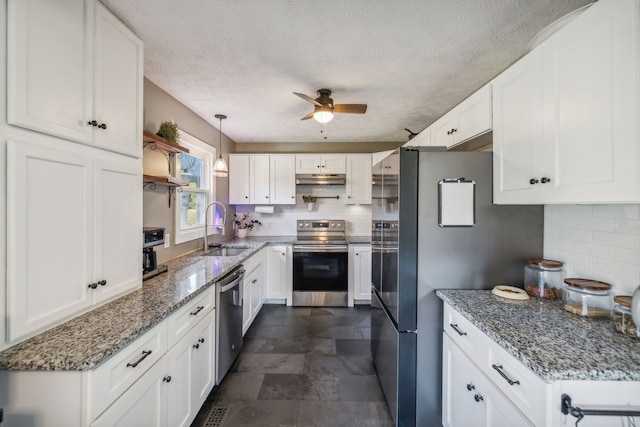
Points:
x=303 y=366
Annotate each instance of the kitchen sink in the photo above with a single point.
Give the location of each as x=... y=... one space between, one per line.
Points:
x=226 y=250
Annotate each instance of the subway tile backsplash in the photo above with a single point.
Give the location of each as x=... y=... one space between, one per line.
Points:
x=600 y=242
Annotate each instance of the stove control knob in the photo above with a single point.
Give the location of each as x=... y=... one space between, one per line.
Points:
x=301 y=224
x=306 y=224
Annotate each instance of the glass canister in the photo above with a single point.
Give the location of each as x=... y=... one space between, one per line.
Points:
x=588 y=298
x=622 y=318
x=543 y=278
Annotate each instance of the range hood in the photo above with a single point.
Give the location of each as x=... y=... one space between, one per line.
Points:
x=321 y=179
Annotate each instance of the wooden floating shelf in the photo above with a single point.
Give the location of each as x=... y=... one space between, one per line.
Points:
x=162 y=144
x=159 y=180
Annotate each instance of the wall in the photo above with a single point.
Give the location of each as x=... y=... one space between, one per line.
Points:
x=316 y=147
x=600 y=242
x=283 y=221
x=159 y=106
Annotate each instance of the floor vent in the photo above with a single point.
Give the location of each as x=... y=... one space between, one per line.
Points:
x=216 y=417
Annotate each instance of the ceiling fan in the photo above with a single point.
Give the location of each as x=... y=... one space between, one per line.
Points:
x=324 y=108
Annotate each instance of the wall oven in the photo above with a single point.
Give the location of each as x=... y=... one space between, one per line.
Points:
x=320 y=264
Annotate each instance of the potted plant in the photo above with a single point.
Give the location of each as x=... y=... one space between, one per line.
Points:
x=169 y=131
x=309 y=200
x=244 y=223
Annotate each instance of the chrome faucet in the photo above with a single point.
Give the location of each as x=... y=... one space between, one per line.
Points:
x=206 y=222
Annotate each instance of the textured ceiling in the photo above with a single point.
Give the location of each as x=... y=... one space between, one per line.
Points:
x=409 y=60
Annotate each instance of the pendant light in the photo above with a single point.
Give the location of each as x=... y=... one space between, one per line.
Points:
x=220 y=166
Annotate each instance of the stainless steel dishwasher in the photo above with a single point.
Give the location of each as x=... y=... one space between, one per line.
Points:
x=228 y=320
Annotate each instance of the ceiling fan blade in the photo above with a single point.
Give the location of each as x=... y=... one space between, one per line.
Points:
x=308 y=116
x=308 y=98
x=350 y=108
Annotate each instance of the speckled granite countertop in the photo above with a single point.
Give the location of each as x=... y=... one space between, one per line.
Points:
x=553 y=343
x=86 y=341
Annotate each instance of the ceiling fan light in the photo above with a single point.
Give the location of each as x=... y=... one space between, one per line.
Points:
x=220 y=167
x=323 y=114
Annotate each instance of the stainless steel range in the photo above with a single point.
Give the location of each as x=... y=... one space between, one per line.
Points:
x=320 y=264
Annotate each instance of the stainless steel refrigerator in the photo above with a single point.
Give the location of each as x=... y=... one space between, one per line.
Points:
x=434 y=226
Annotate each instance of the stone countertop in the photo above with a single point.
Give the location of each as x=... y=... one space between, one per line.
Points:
x=84 y=342
x=553 y=343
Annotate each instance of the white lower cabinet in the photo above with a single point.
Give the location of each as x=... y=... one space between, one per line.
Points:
x=253 y=292
x=484 y=385
x=468 y=398
x=278 y=263
x=151 y=382
x=144 y=404
x=360 y=272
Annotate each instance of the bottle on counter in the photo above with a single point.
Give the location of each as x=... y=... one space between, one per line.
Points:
x=543 y=278
x=622 y=316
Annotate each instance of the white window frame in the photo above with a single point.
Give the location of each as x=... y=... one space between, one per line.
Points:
x=207 y=153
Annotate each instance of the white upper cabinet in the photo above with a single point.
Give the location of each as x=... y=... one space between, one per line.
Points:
x=96 y=256
x=470 y=118
x=75 y=71
x=239 y=183
x=321 y=163
x=358 y=179
x=262 y=179
x=282 y=180
x=584 y=98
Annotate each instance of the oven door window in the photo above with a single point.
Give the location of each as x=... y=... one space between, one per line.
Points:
x=320 y=271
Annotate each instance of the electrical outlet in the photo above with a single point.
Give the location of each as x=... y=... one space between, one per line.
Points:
x=269 y=225
x=350 y=225
x=167 y=240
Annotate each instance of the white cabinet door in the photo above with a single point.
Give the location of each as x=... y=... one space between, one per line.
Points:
x=277 y=276
x=358 y=180
x=259 y=191
x=592 y=87
x=580 y=88
x=246 y=301
x=257 y=292
x=49 y=68
x=282 y=179
x=470 y=118
x=202 y=362
x=144 y=404
x=520 y=152
x=75 y=71
x=239 y=182
x=333 y=163
x=442 y=131
x=179 y=385
x=473 y=115
x=468 y=398
x=361 y=255
x=320 y=163
x=117 y=85
x=118 y=217
x=46 y=285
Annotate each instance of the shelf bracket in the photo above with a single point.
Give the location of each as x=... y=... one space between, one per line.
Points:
x=171 y=190
x=579 y=413
x=169 y=155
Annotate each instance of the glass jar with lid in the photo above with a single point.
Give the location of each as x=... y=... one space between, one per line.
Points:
x=622 y=318
x=543 y=278
x=585 y=297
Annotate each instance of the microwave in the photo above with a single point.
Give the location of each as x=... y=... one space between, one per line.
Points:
x=152 y=236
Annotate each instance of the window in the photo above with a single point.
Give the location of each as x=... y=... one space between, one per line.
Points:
x=195 y=168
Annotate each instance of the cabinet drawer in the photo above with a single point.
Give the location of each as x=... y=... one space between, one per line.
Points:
x=180 y=322
x=463 y=333
x=117 y=374
x=526 y=390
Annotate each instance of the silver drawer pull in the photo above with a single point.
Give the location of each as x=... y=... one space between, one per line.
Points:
x=499 y=368
x=144 y=356
x=455 y=328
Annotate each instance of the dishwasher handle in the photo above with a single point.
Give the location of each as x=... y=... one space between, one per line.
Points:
x=232 y=280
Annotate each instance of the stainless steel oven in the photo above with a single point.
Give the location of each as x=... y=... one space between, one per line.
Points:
x=320 y=264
